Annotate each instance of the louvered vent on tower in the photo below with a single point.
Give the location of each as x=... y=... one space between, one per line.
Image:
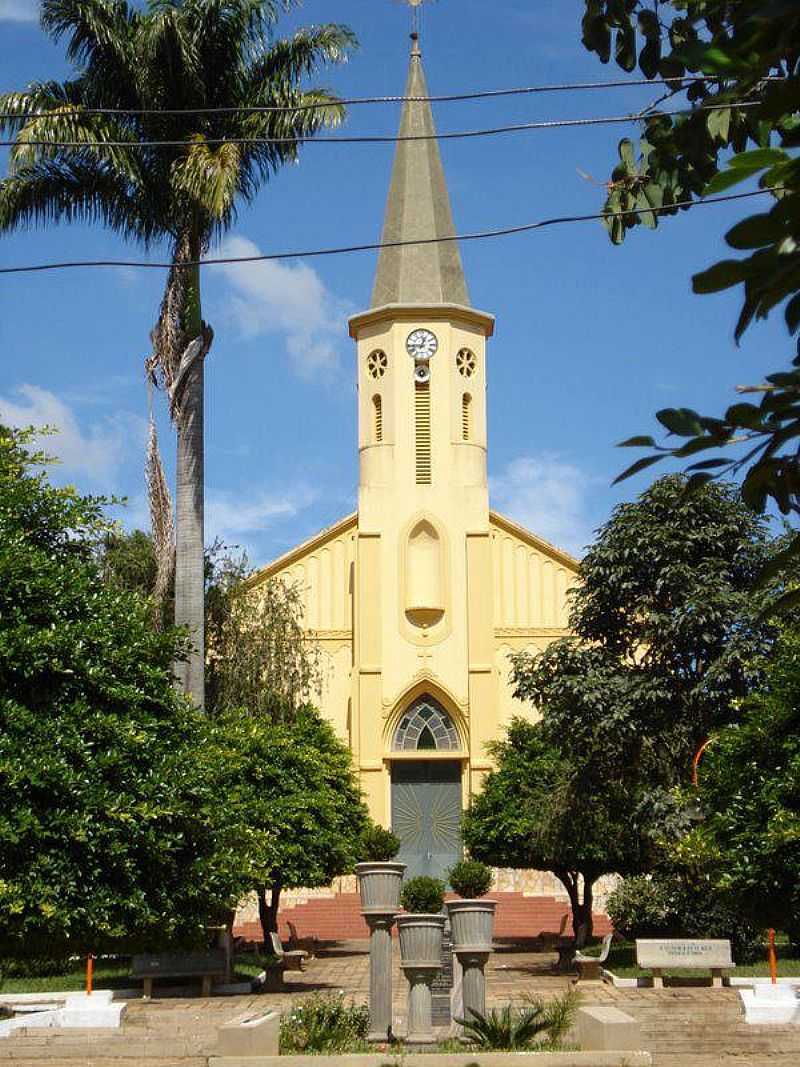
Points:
x=377 y=405
x=466 y=417
x=422 y=412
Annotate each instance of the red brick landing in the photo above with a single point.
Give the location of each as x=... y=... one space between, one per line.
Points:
x=339 y=918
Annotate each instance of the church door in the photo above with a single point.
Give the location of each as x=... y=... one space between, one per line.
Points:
x=426 y=815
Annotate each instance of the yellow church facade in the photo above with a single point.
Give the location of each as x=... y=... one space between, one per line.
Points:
x=418 y=599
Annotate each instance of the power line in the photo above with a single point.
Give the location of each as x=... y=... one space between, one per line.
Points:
x=319 y=252
x=554 y=124
x=487 y=94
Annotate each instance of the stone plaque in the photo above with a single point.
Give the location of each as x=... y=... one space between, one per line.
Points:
x=678 y=952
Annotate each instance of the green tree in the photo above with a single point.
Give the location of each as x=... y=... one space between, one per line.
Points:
x=749 y=799
x=259 y=656
x=180 y=71
x=666 y=631
x=541 y=810
x=103 y=837
x=291 y=801
x=722 y=53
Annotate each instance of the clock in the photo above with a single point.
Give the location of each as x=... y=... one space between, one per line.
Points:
x=421 y=345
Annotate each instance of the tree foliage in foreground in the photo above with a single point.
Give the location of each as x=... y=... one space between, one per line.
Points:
x=102 y=838
x=291 y=800
x=539 y=810
x=666 y=630
x=748 y=841
x=723 y=52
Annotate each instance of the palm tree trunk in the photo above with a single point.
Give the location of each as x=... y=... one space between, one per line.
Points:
x=189 y=506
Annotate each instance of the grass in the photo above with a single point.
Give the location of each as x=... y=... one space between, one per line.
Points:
x=115 y=973
x=622 y=962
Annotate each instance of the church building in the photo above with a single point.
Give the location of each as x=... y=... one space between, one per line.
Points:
x=417 y=599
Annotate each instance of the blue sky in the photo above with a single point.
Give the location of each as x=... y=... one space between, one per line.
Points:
x=591 y=339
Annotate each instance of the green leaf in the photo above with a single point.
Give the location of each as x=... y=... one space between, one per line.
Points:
x=726 y=179
x=719 y=123
x=758 y=158
x=627 y=155
x=681 y=421
x=721 y=276
x=710 y=464
x=697 y=481
x=637 y=442
x=650 y=58
x=755 y=232
x=625 y=47
x=746 y=415
x=639 y=465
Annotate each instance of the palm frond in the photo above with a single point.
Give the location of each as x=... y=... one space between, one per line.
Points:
x=44 y=137
x=209 y=177
x=74 y=190
x=290 y=59
x=170 y=71
x=100 y=35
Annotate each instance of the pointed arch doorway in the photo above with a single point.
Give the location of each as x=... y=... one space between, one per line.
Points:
x=426 y=790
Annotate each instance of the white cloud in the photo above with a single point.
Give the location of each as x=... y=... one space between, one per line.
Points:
x=288 y=299
x=95 y=452
x=547 y=495
x=235 y=519
x=19 y=10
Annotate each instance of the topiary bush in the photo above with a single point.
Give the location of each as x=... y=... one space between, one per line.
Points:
x=423 y=895
x=378 y=845
x=470 y=879
x=671 y=905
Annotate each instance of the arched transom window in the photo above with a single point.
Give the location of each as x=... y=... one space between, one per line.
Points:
x=426 y=726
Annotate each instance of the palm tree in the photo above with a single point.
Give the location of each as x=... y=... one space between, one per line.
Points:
x=143 y=76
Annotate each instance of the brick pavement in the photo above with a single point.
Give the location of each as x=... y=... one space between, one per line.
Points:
x=683 y=1027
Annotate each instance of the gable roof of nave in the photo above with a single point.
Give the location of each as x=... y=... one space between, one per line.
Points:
x=307 y=548
x=350 y=522
x=532 y=540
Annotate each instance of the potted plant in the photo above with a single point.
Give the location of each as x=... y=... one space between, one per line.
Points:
x=421 y=929
x=422 y=924
x=379 y=876
x=472 y=916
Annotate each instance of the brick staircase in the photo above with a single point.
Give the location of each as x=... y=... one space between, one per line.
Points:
x=339 y=918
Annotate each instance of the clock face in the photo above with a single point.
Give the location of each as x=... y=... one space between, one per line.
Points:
x=422 y=344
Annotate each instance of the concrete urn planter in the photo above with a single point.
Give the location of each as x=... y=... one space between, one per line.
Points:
x=421 y=940
x=379 y=885
x=472 y=924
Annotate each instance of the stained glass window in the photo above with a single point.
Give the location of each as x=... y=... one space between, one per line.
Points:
x=426 y=726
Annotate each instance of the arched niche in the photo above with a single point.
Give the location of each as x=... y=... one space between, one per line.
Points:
x=425 y=591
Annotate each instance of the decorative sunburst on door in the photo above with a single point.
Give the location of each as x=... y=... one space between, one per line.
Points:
x=407 y=815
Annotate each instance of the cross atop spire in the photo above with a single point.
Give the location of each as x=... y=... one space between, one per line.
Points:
x=418 y=208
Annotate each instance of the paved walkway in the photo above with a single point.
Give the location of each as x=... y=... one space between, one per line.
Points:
x=682 y=1027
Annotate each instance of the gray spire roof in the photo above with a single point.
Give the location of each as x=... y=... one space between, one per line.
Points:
x=418 y=207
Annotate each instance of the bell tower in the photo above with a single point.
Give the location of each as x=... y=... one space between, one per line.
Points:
x=424 y=583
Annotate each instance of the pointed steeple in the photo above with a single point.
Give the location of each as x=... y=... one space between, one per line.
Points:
x=418 y=208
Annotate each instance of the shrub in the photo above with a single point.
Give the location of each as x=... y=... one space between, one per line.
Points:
x=470 y=879
x=539 y=1026
x=423 y=895
x=671 y=905
x=326 y=1024
x=36 y=966
x=378 y=845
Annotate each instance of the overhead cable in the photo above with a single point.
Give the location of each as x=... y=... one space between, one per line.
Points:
x=554 y=124
x=487 y=94
x=319 y=252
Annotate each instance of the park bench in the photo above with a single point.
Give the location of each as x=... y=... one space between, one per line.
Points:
x=206 y=965
x=684 y=954
x=590 y=967
x=292 y=959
